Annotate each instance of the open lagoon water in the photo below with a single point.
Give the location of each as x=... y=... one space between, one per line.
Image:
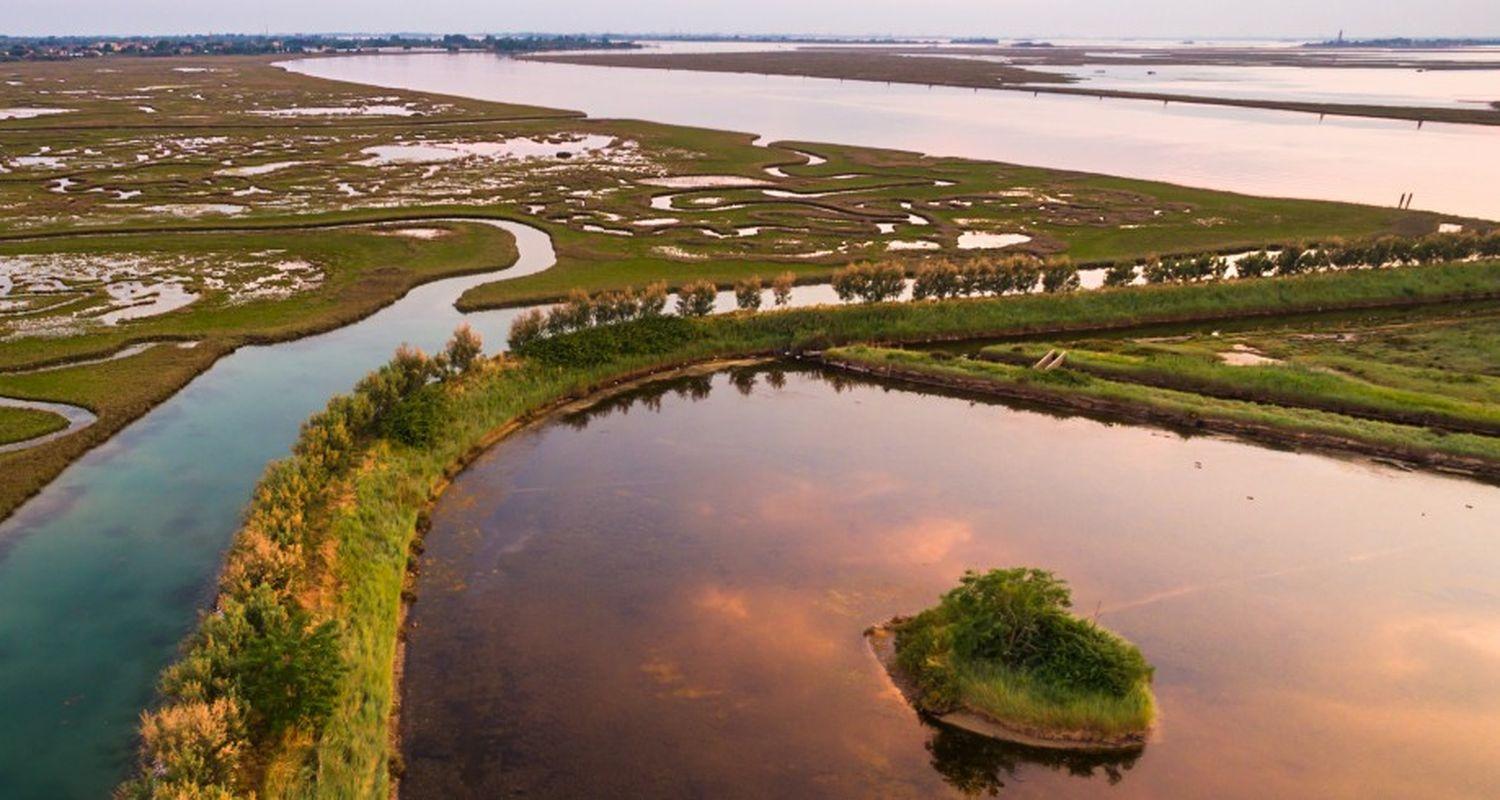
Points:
x=1449 y=168
x=665 y=597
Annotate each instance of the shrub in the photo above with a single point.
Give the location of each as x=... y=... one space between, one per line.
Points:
x=1023 y=273
x=1120 y=273
x=1019 y=619
x=463 y=349
x=1289 y=260
x=593 y=346
x=1059 y=276
x=696 y=298
x=1312 y=260
x=615 y=306
x=936 y=279
x=1156 y=270
x=653 y=299
x=192 y=749
x=577 y=311
x=416 y=420
x=289 y=673
x=886 y=282
x=978 y=277
x=848 y=282
x=781 y=288
x=871 y=283
x=527 y=327
x=747 y=293
x=1254 y=265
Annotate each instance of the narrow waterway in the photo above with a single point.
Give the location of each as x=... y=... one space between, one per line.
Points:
x=102 y=573
x=1449 y=168
x=664 y=597
x=77 y=418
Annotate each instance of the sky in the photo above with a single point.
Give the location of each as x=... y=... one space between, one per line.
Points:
x=1002 y=18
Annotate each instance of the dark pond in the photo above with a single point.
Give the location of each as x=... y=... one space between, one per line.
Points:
x=664 y=597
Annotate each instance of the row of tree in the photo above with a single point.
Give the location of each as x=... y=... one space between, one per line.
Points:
x=580 y=310
x=262 y=667
x=1295 y=259
x=941 y=279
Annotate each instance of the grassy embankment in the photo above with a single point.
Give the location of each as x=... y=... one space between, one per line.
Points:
x=361 y=277
x=1289 y=424
x=1347 y=384
x=1006 y=646
x=20 y=424
x=329 y=536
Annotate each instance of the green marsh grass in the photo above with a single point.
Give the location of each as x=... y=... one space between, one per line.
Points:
x=20 y=424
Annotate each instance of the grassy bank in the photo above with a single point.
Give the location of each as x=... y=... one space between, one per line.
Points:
x=1455 y=401
x=321 y=562
x=1467 y=452
x=362 y=277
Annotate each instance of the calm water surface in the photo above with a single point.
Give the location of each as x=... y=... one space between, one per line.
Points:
x=664 y=598
x=102 y=573
x=1358 y=85
x=1450 y=168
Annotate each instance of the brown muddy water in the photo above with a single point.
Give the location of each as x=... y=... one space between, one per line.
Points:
x=664 y=596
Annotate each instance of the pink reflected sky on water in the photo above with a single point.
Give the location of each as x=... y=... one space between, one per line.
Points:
x=1449 y=168
x=669 y=601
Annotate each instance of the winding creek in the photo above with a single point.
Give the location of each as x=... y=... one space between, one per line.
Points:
x=77 y=418
x=102 y=573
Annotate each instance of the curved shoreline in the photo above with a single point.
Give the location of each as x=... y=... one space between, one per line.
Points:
x=77 y=418
x=467 y=278
x=522 y=423
x=1477 y=468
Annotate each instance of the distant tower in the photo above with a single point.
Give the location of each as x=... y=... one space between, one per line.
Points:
x=1341 y=35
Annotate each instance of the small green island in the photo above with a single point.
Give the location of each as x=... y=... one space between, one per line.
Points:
x=1002 y=655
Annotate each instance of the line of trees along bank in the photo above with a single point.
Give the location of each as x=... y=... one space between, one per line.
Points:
x=264 y=665
x=940 y=279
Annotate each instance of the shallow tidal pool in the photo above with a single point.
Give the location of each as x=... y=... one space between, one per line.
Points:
x=664 y=597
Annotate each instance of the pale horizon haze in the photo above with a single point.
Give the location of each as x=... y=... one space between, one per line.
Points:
x=1000 y=18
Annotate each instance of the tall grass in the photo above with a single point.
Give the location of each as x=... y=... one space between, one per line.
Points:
x=1009 y=695
x=1183 y=407
x=1283 y=384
